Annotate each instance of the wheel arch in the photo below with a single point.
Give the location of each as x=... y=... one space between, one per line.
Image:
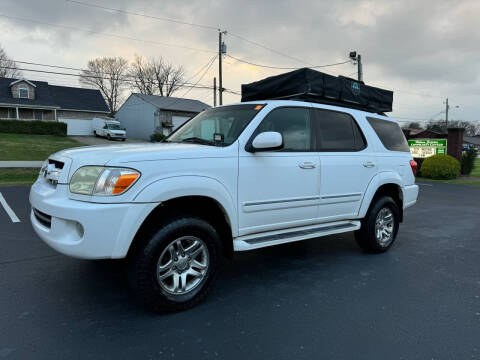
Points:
x=199 y=196
x=384 y=184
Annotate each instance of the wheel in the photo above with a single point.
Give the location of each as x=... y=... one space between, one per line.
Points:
x=95 y=133
x=123 y=139
x=380 y=226
x=109 y=137
x=175 y=266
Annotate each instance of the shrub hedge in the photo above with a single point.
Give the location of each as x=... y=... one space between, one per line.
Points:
x=440 y=167
x=33 y=127
x=468 y=161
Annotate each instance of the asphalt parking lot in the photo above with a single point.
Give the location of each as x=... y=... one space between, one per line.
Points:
x=321 y=298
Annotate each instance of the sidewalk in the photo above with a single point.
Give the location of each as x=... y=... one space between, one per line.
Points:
x=21 y=164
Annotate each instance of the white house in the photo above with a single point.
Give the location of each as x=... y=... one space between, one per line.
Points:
x=143 y=115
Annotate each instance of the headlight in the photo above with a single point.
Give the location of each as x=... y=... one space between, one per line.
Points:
x=103 y=181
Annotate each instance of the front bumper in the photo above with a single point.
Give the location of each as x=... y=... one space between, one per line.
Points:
x=83 y=229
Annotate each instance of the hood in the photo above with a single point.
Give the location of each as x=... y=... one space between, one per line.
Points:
x=122 y=154
x=120 y=132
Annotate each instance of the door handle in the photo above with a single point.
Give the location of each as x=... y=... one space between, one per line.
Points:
x=369 y=164
x=308 y=165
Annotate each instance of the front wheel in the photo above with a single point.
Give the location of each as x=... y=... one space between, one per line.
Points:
x=109 y=137
x=380 y=226
x=176 y=265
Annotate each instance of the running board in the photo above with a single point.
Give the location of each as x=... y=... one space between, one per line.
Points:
x=255 y=241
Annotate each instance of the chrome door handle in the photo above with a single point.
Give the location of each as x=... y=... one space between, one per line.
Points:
x=369 y=164
x=308 y=165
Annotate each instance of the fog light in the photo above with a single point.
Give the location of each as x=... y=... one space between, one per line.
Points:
x=79 y=229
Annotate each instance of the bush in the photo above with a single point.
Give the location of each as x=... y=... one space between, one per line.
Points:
x=157 y=137
x=440 y=167
x=468 y=160
x=33 y=127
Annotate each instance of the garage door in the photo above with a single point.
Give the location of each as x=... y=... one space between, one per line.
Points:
x=78 y=127
x=178 y=120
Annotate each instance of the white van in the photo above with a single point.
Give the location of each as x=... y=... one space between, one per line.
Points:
x=111 y=129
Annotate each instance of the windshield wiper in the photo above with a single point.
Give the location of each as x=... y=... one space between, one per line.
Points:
x=198 y=140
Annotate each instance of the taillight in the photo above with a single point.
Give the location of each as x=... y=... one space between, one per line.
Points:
x=414 y=166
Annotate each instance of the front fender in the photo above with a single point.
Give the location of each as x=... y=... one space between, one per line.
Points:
x=191 y=185
x=387 y=177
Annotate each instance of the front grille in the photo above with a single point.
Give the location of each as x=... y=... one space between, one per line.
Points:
x=42 y=218
x=52 y=171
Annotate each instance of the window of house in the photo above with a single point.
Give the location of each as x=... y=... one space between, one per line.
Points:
x=390 y=134
x=337 y=131
x=294 y=125
x=23 y=92
x=12 y=113
x=38 y=114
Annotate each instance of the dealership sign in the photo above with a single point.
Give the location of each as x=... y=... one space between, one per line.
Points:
x=423 y=148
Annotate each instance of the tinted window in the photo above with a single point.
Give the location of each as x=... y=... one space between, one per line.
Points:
x=390 y=134
x=337 y=131
x=294 y=125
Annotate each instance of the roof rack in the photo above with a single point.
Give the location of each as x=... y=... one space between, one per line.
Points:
x=314 y=86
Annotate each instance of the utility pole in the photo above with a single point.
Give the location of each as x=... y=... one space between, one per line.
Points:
x=360 y=70
x=357 y=59
x=214 y=91
x=222 y=49
x=446 y=113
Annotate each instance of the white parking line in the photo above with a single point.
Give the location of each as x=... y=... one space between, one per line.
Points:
x=8 y=209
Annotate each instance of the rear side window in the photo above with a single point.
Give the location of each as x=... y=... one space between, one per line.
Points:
x=337 y=131
x=390 y=134
x=294 y=125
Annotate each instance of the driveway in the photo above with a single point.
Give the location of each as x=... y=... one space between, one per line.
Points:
x=92 y=140
x=316 y=299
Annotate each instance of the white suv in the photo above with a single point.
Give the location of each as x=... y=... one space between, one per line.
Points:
x=234 y=178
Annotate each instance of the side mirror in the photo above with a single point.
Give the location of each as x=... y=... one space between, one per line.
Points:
x=268 y=140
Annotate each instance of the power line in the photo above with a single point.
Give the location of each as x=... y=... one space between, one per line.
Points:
x=286 y=68
x=106 y=34
x=143 y=15
x=95 y=77
x=268 y=48
x=191 y=87
x=187 y=23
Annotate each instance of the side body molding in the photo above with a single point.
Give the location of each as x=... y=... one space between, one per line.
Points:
x=382 y=178
x=191 y=185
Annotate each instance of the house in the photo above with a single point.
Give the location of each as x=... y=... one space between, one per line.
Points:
x=22 y=99
x=142 y=115
x=424 y=134
x=472 y=141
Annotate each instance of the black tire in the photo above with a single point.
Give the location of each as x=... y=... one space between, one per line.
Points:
x=95 y=133
x=108 y=137
x=123 y=139
x=144 y=261
x=366 y=237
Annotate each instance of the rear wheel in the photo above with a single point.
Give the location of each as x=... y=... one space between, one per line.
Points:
x=380 y=226
x=176 y=265
x=95 y=133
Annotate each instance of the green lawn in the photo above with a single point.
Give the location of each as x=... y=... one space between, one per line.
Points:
x=32 y=147
x=19 y=176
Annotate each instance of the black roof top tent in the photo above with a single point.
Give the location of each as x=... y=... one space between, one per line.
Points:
x=314 y=86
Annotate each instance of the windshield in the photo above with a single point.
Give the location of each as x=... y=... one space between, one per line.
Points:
x=114 y=127
x=218 y=126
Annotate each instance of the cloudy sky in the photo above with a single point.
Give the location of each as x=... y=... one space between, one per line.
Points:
x=424 y=50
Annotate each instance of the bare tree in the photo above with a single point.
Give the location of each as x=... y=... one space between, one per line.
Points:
x=154 y=76
x=107 y=74
x=471 y=128
x=8 y=66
